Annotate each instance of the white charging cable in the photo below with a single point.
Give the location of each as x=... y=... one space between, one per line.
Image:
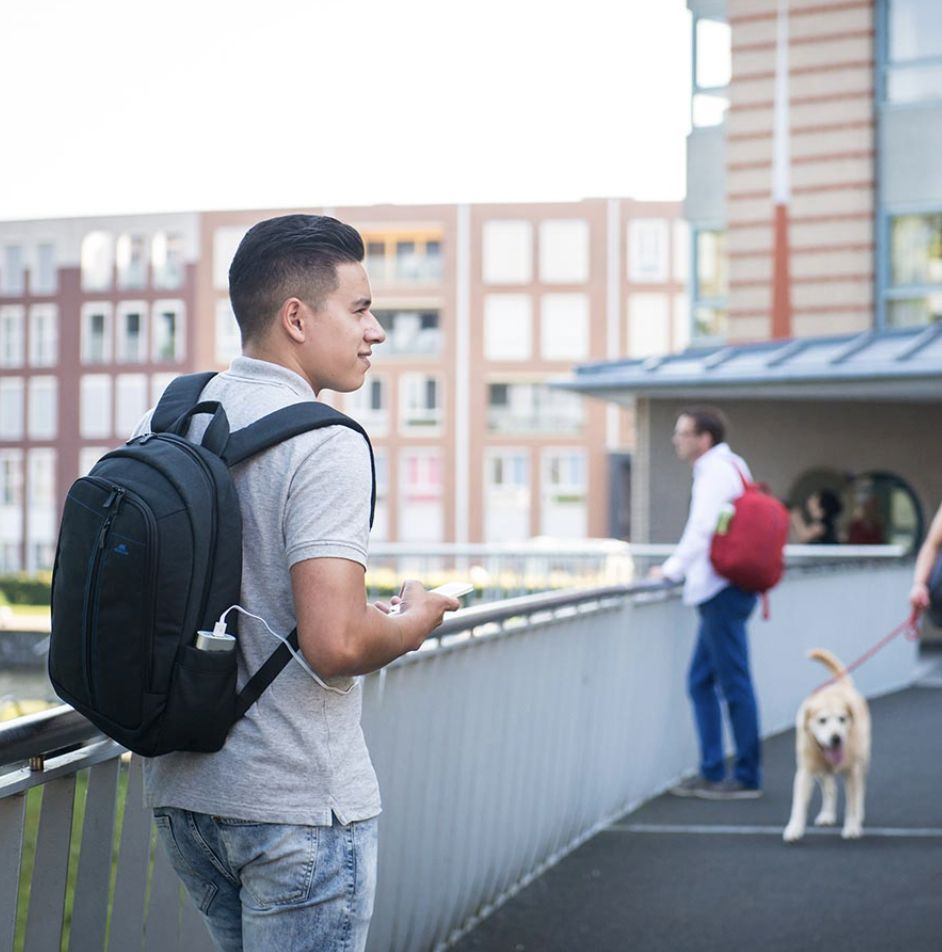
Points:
x=220 y=628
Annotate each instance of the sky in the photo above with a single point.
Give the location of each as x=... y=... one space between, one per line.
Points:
x=128 y=106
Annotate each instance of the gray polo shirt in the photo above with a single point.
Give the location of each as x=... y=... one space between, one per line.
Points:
x=299 y=753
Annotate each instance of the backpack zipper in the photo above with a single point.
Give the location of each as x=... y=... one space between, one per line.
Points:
x=112 y=504
x=207 y=582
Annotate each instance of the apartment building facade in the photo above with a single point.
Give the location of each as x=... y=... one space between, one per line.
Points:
x=482 y=304
x=814 y=199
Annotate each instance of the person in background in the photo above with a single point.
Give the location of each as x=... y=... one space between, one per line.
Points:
x=820 y=528
x=719 y=669
x=925 y=562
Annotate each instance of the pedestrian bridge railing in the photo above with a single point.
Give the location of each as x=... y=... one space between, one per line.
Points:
x=523 y=728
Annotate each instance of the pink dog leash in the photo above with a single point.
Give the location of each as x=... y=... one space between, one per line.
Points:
x=912 y=633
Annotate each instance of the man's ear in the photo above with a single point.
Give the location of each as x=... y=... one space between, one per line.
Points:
x=291 y=318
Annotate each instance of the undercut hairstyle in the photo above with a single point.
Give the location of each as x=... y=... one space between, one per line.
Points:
x=708 y=420
x=289 y=256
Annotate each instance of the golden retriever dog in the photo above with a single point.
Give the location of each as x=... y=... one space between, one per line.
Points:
x=832 y=736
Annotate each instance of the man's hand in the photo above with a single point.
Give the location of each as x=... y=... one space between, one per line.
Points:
x=919 y=598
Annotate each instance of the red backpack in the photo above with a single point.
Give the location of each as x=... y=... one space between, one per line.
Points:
x=749 y=542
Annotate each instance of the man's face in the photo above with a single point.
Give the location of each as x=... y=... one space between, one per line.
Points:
x=689 y=444
x=343 y=332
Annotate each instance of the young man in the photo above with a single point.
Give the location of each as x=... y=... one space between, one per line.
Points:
x=274 y=836
x=720 y=663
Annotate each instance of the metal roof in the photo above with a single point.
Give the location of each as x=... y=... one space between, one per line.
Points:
x=903 y=364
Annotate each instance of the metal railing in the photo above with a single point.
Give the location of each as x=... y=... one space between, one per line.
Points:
x=522 y=728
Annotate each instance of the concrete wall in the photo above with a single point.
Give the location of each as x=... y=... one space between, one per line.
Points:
x=783 y=439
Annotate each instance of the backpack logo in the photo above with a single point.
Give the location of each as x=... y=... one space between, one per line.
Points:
x=120 y=549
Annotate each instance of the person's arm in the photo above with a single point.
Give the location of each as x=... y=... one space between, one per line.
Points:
x=340 y=634
x=925 y=560
x=805 y=532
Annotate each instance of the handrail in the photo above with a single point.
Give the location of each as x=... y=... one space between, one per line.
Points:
x=44 y=733
x=61 y=727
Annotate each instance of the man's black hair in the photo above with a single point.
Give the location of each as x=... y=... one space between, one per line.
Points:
x=289 y=256
x=708 y=420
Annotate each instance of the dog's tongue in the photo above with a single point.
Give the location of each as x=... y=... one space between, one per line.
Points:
x=833 y=755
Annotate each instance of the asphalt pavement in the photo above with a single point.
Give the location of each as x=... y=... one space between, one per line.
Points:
x=690 y=875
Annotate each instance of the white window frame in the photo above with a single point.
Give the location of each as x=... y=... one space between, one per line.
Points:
x=131 y=402
x=43 y=335
x=12 y=334
x=641 y=268
x=97 y=263
x=499 y=311
x=501 y=261
x=44 y=274
x=12 y=408
x=564 y=251
x=415 y=417
x=96 y=422
x=228 y=338
x=122 y=353
x=89 y=309
x=42 y=415
x=13 y=270
x=226 y=240
x=556 y=315
x=179 y=310
x=132 y=270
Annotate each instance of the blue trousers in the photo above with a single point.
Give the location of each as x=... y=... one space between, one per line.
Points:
x=719 y=669
x=275 y=886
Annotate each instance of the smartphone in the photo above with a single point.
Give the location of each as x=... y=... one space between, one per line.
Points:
x=451 y=589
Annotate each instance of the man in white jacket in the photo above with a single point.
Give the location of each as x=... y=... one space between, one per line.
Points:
x=719 y=667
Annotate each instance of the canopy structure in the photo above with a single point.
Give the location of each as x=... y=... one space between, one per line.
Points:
x=892 y=365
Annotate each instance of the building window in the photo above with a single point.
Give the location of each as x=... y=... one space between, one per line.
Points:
x=508 y=252
x=97 y=261
x=524 y=407
x=96 y=333
x=11 y=408
x=507 y=495
x=228 y=335
x=167 y=320
x=913 y=51
x=711 y=283
x=130 y=402
x=131 y=259
x=404 y=258
x=11 y=479
x=11 y=510
x=712 y=66
x=648 y=250
x=132 y=332
x=43 y=335
x=225 y=242
x=44 y=278
x=507 y=327
x=410 y=331
x=564 y=513
x=12 y=276
x=88 y=456
x=95 y=406
x=564 y=327
x=564 y=252
x=166 y=261
x=914 y=294
x=421 y=490
x=41 y=509
x=420 y=403
x=42 y=412
x=649 y=325
x=11 y=335
x=369 y=405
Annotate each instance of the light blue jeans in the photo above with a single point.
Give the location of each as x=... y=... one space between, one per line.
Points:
x=263 y=886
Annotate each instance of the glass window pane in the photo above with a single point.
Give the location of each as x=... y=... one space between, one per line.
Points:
x=709 y=110
x=712 y=264
x=914 y=84
x=915 y=29
x=916 y=249
x=713 y=53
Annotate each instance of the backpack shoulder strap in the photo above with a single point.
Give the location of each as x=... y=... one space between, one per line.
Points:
x=745 y=482
x=270 y=669
x=287 y=422
x=181 y=395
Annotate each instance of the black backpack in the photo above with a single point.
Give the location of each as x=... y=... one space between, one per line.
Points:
x=149 y=553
